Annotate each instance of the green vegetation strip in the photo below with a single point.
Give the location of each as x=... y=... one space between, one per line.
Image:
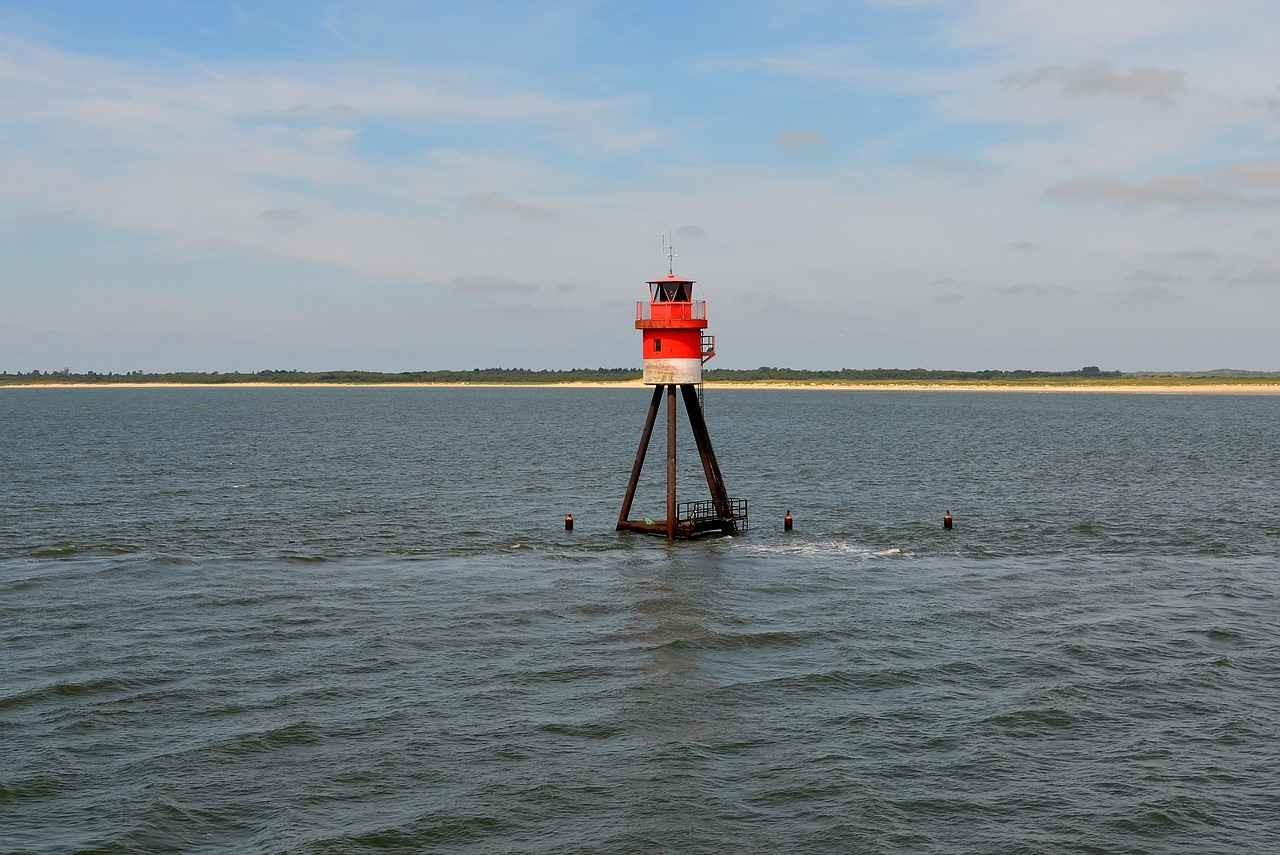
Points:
x=1090 y=376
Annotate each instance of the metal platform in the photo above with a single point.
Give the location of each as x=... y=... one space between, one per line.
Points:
x=729 y=516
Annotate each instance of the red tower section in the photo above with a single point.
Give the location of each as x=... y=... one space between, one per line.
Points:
x=675 y=346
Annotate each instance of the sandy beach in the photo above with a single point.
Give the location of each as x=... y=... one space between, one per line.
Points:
x=960 y=386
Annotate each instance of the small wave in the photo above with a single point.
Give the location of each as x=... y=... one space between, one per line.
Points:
x=298 y=733
x=71 y=690
x=817 y=682
x=170 y=559
x=448 y=830
x=58 y=552
x=300 y=558
x=740 y=641
x=828 y=548
x=77 y=551
x=36 y=787
x=1180 y=813
x=1029 y=721
x=582 y=731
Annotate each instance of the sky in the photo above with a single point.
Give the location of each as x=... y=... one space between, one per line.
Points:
x=402 y=185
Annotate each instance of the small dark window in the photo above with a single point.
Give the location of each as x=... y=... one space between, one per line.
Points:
x=657 y=345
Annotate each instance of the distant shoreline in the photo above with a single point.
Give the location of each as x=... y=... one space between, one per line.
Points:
x=1168 y=387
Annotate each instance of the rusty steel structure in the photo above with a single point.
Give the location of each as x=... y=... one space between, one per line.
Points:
x=675 y=349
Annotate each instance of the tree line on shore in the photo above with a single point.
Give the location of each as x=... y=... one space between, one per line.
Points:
x=526 y=376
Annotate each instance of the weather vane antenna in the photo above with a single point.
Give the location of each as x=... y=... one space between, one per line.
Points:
x=670 y=249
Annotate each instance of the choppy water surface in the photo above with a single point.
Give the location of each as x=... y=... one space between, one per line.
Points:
x=350 y=620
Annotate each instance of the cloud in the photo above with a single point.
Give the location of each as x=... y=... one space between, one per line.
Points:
x=1268 y=104
x=691 y=231
x=952 y=165
x=765 y=302
x=1032 y=289
x=1255 y=174
x=498 y=204
x=1154 y=277
x=1265 y=274
x=1150 y=285
x=492 y=285
x=799 y=142
x=335 y=111
x=845 y=65
x=1085 y=30
x=1187 y=191
x=1196 y=255
x=284 y=215
x=1149 y=292
x=1144 y=83
x=952 y=290
x=47 y=217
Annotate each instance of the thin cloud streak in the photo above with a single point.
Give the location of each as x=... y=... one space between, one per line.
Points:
x=1148 y=84
x=1186 y=191
x=498 y=204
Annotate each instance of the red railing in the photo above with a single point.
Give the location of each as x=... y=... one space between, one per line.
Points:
x=696 y=310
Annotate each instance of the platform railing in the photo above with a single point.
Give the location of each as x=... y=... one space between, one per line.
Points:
x=697 y=310
x=708 y=514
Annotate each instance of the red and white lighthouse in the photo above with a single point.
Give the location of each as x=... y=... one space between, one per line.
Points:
x=675 y=346
x=671 y=325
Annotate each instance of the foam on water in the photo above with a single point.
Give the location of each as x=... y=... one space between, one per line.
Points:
x=824 y=548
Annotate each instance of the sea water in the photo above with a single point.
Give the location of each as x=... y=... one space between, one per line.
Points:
x=342 y=620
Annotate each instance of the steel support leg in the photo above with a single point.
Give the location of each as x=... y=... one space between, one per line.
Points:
x=671 y=461
x=710 y=467
x=640 y=454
